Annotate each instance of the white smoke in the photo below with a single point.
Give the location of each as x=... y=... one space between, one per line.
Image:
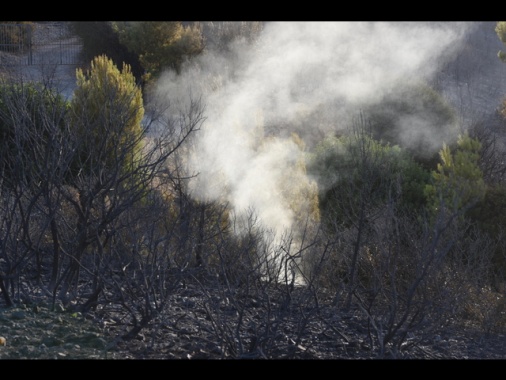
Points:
x=295 y=69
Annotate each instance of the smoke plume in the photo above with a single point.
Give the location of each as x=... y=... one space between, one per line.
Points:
x=303 y=77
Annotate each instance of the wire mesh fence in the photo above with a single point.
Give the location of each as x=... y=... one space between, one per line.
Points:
x=38 y=44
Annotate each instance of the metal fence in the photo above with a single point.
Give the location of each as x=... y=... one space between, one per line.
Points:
x=39 y=44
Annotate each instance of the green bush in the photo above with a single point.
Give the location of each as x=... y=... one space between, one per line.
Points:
x=458 y=180
x=107 y=111
x=490 y=216
x=160 y=45
x=415 y=117
x=31 y=119
x=345 y=168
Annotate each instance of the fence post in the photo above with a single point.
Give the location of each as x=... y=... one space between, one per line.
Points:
x=30 y=56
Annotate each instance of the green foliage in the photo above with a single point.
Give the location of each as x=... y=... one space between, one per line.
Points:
x=500 y=29
x=99 y=38
x=415 y=117
x=502 y=110
x=107 y=111
x=31 y=116
x=350 y=170
x=489 y=214
x=160 y=44
x=490 y=211
x=414 y=178
x=458 y=181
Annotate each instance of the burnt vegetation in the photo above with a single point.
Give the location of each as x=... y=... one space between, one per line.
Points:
x=98 y=221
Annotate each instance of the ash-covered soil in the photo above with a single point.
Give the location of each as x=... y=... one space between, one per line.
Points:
x=203 y=325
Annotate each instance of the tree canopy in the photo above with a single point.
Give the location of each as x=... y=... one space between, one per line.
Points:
x=107 y=108
x=458 y=180
x=160 y=44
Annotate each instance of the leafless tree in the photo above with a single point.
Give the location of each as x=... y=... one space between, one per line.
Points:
x=255 y=307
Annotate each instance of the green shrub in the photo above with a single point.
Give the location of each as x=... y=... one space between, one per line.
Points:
x=107 y=111
x=32 y=117
x=160 y=45
x=383 y=171
x=490 y=216
x=415 y=117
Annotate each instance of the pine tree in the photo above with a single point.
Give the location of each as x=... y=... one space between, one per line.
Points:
x=458 y=180
x=160 y=44
x=107 y=111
